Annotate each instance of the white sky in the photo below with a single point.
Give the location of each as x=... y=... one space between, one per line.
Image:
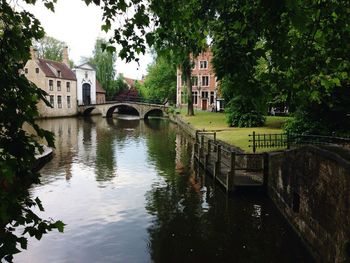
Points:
x=79 y=25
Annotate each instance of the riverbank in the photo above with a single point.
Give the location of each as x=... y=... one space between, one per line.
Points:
x=309 y=185
x=238 y=137
x=43 y=158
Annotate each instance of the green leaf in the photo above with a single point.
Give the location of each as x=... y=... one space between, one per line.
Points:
x=59 y=225
x=39 y=204
x=50 y=6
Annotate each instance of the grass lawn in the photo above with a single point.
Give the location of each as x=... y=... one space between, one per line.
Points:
x=235 y=136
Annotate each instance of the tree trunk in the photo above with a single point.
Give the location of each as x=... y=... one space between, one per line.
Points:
x=190 y=111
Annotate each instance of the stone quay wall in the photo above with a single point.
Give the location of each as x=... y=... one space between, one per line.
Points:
x=311 y=187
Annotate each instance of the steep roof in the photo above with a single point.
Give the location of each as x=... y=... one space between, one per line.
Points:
x=99 y=88
x=51 y=69
x=131 y=82
x=86 y=66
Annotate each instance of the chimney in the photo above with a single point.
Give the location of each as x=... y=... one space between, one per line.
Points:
x=65 y=58
x=33 y=53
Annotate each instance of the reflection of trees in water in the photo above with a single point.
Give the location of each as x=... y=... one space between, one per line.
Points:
x=106 y=166
x=195 y=221
x=125 y=129
x=160 y=136
x=112 y=133
x=175 y=204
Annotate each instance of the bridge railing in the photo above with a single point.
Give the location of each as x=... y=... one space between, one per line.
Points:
x=128 y=99
x=139 y=100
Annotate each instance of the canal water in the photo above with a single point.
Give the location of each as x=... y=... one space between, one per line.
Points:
x=129 y=192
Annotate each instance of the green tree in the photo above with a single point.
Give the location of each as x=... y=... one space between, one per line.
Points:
x=17 y=148
x=50 y=48
x=237 y=49
x=160 y=82
x=310 y=53
x=104 y=63
x=179 y=26
x=120 y=84
x=182 y=33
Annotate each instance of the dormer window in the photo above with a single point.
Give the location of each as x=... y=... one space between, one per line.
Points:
x=26 y=70
x=59 y=73
x=37 y=70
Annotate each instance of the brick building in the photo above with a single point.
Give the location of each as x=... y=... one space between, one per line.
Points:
x=100 y=93
x=58 y=80
x=204 y=84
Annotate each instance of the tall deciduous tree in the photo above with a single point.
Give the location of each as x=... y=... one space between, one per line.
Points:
x=104 y=62
x=182 y=30
x=310 y=53
x=236 y=47
x=160 y=82
x=50 y=48
x=179 y=26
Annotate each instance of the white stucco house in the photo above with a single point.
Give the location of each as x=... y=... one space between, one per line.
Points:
x=86 y=84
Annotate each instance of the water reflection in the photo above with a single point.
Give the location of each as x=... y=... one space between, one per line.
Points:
x=129 y=192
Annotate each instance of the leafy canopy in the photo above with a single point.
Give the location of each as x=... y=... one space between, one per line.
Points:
x=160 y=82
x=18 y=148
x=104 y=63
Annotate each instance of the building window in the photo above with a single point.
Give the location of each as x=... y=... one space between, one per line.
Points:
x=205 y=80
x=68 y=101
x=68 y=86
x=59 y=101
x=58 y=85
x=204 y=94
x=195 y=97
x=203 y=64
x=50 y=85
x=36 y=70
x=52 y=100
x=86 y=75
x=26 y=70
x=211 y=97
x=59 y=73
x=194 y=81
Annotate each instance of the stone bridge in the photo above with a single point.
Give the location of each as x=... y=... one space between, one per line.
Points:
x=107 y=109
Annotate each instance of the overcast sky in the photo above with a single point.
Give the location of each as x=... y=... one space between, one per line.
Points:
x=79 y=25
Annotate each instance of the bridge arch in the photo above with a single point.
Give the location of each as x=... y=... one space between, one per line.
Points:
x=110 y=110
x=154 y=112
x=87 y=111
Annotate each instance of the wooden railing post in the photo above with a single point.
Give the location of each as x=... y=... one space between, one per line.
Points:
x=266 y=171
x=207 y=156
x=231 y=174
x=217 y=166
x=254 y=145
x=201 y=147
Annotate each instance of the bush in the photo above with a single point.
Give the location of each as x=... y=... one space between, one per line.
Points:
x=242 y=112
x=251 y=119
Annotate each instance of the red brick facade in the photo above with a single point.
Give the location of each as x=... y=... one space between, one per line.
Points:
x=204 y=85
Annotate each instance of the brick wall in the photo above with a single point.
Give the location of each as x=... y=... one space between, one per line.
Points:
x=311 y=187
